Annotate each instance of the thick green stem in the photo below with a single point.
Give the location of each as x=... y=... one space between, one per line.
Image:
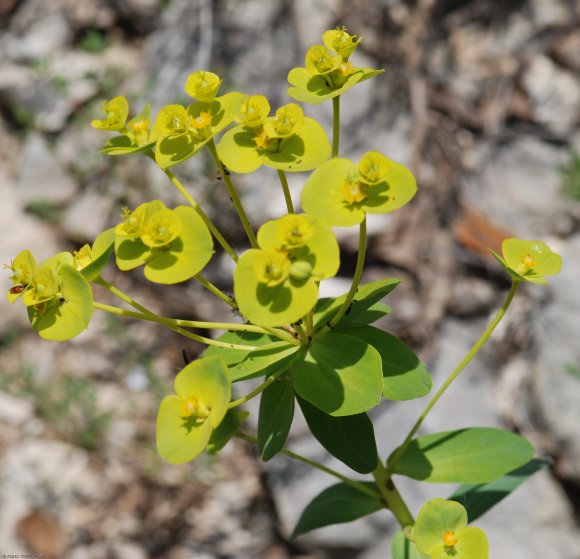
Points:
x=470 y=355
x=168 y=323
x=360 y=261
x=392 y=497
x=355 y=484
x=335 y=125
x=286 y=190
x=233 y=195
x=214 y=230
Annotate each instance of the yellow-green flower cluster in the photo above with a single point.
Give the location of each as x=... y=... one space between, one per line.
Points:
x=328 y=72
x=58 y=298
x=287 y=141
x=342 y=192
x=278 y=283
x=173 y=245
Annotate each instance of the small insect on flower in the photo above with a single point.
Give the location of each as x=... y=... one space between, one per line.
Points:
x=17 y=289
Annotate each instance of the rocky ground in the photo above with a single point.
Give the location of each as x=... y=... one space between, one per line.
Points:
x=480 y=98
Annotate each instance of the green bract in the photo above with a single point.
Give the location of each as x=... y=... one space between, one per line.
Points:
x=278 y=283
x=181 y=132
x=529 y=260
x=186 y=420
x=203 y=86
x=135 y=136
x=288 y=141
x=342 y=192
x=174 y=245
x=327 y=75
x=441 y=532
x=116 y=112
x=58 y=298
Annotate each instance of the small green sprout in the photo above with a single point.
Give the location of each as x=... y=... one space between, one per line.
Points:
x=186 y=420
x=278 y=283
x=441 y=532
x=342 y=192
x=173 y=245
x=529 y=260
x=116 y=112
x=288 y=141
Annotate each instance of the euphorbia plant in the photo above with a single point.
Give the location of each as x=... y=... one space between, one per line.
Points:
x=323 y=354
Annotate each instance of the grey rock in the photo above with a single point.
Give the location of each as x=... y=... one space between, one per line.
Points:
x=551 y=12
x=40 y=175
x=15 y=411
x=87 y=216
x=554 y=93
x=556 y=326
x=518 y=188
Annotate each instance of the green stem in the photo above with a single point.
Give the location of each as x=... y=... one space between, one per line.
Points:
x=169 y=324
x=309 y=323
x=362 y=246
x=355 y=484
x=286 y=190
x=233 y=195
x=301 y=332
x=214 y=230
x=392 y=497
x=335 y=124
x=124 y=297
x=256 y=391
x=216 y=291
x=470 y=355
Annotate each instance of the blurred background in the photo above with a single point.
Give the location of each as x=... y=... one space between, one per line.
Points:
x=480 y=98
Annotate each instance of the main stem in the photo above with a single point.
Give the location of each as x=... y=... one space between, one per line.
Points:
x=470 y=355
x=392 y=497
x=335 y=125
x=233 y=195
x=210 y=225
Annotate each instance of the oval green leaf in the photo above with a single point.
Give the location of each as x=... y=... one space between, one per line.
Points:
x=404 y=376
x=351 y=439
x=476 y=455
x=339 y=374
x=276 y=415
x=337 y=504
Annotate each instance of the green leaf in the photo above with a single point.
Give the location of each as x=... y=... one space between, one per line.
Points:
x=261 y=362
x=276 y=415
x=63 y=320
x=479 y=498
x=233 y=356
x=366 y=296
x=404 y=376
x=475 y=455
x=130 y=253
x=337 y=504
x=402 y=548
x=186 y=255
x=339 y=374
x=226 y=430
x=176 y=148
x=351 y=439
